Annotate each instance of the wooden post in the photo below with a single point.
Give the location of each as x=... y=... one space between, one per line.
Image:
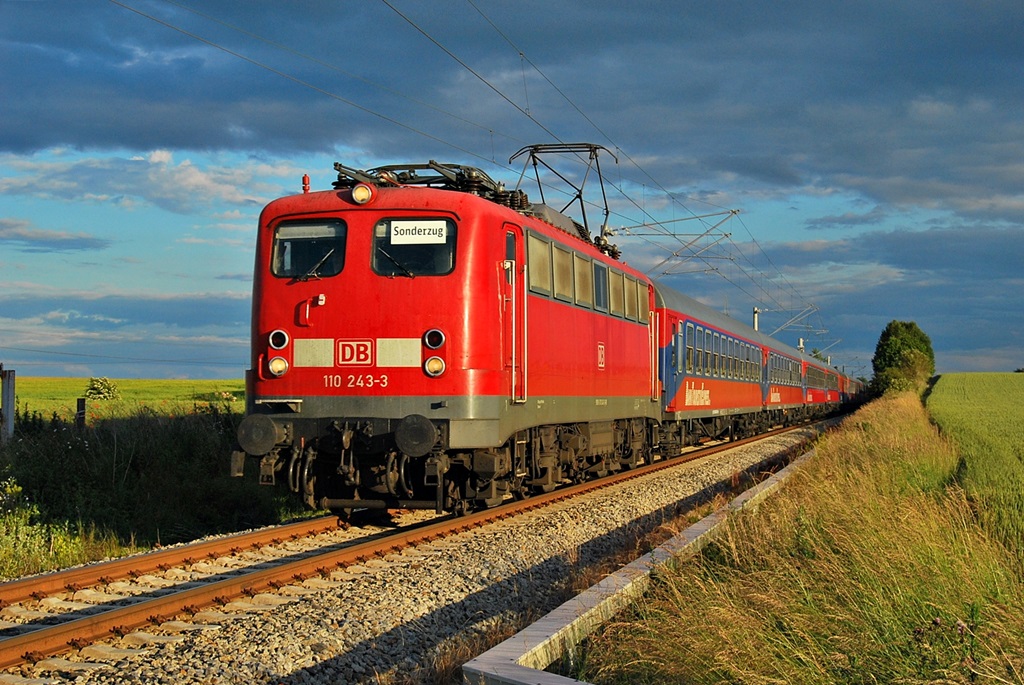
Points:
x=80 y=414
x=7 y=405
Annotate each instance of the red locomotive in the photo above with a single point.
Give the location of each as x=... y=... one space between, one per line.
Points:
x=424 y=338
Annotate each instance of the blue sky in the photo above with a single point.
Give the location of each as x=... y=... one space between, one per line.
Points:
x=874 y=150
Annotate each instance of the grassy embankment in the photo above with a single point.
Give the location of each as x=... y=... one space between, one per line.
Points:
x=894 y=556
x=149 y=468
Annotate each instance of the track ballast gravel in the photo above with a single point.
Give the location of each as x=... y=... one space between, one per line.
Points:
x=388 y=620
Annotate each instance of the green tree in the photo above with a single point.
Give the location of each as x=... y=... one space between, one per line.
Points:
x=904 y=358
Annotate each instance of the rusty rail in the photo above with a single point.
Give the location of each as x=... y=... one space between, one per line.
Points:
x=76 y=633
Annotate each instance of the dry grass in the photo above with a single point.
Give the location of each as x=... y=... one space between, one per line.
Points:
x=869 y=567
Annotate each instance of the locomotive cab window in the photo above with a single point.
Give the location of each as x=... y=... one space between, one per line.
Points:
x=308 y=249
x=414 y=247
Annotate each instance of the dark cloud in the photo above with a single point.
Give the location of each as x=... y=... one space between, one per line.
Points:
x=771 y=170
x=22 y=236
x=244 y=278
x=187 y=312
x=873 y=217
x=901 y=102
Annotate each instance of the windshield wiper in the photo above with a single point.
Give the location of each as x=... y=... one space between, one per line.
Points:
x=313 y=272
x=397 y=263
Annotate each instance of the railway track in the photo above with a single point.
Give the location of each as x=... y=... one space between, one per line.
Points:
x=188 y=586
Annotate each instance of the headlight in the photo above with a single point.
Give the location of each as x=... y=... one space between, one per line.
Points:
x=362 y=193
x=433 y=339
x=433 y=367
x=278 y=366
x=278 y=339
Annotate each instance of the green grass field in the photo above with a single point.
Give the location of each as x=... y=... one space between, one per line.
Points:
x=983 y=413
x=48 y=396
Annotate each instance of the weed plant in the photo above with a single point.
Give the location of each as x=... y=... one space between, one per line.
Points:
x=869 y=567
x=28 y=546
x=133 y=477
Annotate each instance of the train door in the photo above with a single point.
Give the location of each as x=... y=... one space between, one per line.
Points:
x=514 y=315
x=766 y=375
x=805 y=381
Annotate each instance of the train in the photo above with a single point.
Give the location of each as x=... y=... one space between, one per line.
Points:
x=425 y=338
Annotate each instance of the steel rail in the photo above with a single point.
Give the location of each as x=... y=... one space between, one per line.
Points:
x=76 y=633
x=32 y=587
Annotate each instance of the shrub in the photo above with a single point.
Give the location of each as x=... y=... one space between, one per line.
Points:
x=102 y=389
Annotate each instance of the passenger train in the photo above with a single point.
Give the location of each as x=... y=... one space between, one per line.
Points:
x=423 y=337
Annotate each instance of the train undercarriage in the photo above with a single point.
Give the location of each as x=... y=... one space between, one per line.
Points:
x=353 y=466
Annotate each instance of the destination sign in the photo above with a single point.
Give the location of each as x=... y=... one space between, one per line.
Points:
x=419 y=232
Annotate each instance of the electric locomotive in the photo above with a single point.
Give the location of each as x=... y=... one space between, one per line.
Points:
x=424 y=338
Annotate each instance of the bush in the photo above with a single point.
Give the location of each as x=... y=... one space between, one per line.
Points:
x=102 y=389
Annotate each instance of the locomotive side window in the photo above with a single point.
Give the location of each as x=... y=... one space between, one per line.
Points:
x=601 y=286
x=309 y=249
x=584 y=281
x=644 y=302
x=562 y=263
x=615 y=292
x=414 y=247
x=539 y=259
x=630 y=295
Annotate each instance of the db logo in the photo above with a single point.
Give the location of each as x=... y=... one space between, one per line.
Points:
x=355 y=353
x=600 y=355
